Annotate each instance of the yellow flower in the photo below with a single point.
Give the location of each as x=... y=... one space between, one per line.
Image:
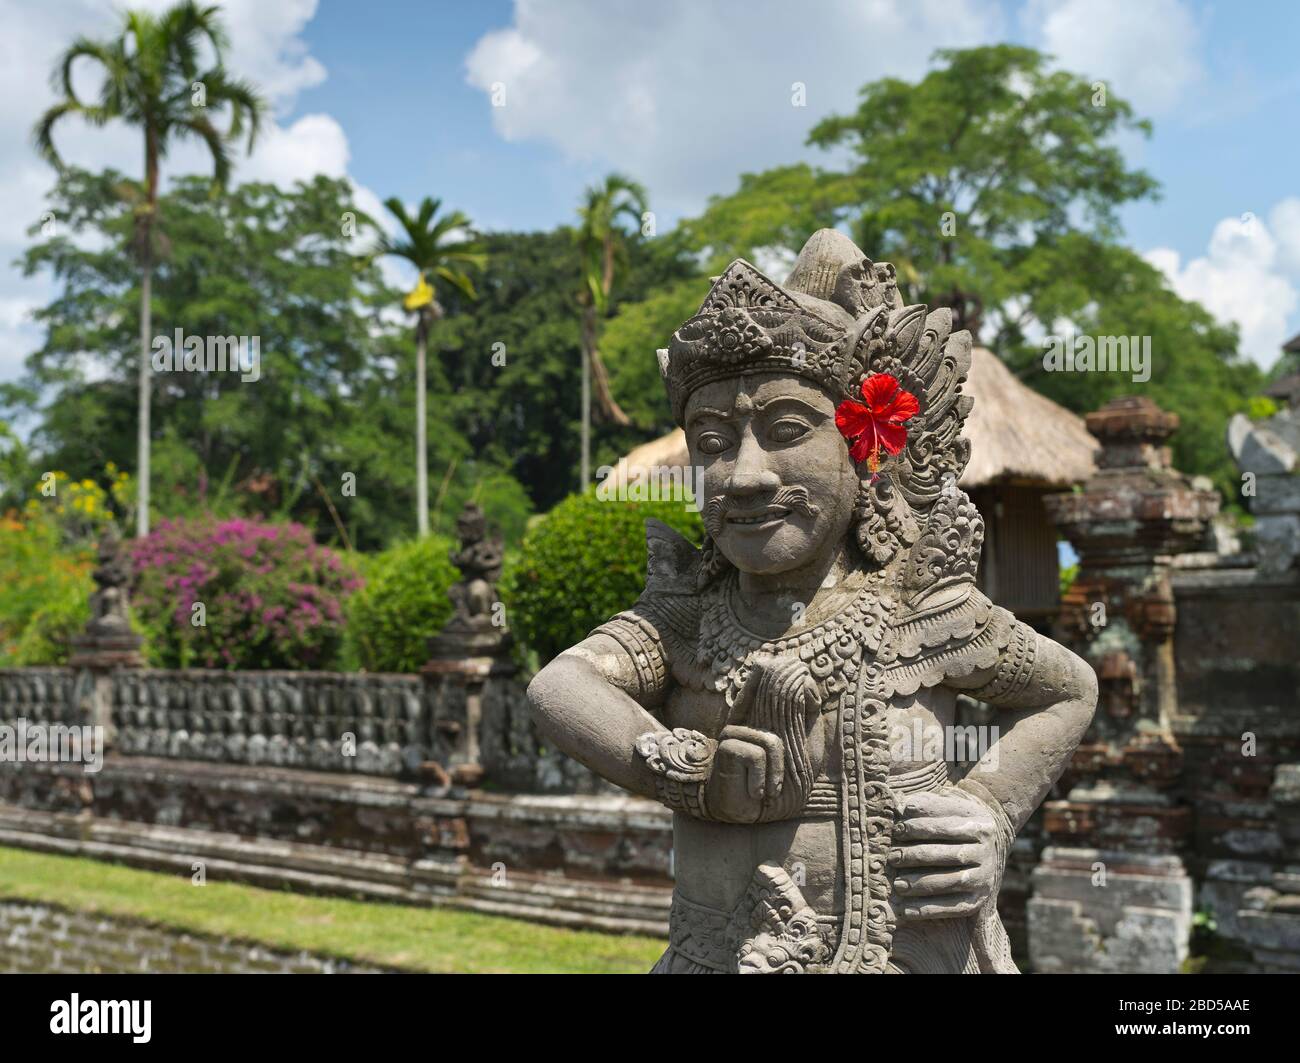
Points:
x=420 y=295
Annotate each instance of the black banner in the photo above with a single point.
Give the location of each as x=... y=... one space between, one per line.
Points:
x=214 y=1012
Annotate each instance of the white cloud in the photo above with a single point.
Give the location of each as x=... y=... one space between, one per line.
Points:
x=1284 y=221
x=1247 y=276
x=685 y=95
x=314 y=144
x=1147 y=52
x=266 y=47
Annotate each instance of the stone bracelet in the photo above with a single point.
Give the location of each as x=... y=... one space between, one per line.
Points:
x=680 y=760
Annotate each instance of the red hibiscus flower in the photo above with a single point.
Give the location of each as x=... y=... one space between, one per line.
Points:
x=879 y=422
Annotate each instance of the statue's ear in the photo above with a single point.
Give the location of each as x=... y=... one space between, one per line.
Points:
x=942 y=563
x=672 y=562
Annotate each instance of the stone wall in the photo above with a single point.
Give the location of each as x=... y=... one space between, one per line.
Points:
x=370 y=724
x=341 y=783
x=590 y=861
x=1238 y=727
x=39 y=938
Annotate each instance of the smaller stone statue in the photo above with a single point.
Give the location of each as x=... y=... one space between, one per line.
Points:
x=108 y=605
x=473 y=647
x=477 y=627
x=108 y=638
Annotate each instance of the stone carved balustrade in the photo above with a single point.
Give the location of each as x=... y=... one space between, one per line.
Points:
x=398 y=723
x=374 y=724
x=37 y=695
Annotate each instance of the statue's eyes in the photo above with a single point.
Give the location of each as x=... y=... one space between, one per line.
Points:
x=787 y=431
x=713 y=443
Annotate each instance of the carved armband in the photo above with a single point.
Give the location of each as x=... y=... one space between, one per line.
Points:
x=1015 y=666
x=639 y=640
x=680 y=760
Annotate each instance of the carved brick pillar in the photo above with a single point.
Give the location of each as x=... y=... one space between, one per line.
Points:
x=1113 y=873
x=108 y=643
x=471 y=650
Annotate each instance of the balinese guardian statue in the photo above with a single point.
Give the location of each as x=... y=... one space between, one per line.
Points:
x=763 y=683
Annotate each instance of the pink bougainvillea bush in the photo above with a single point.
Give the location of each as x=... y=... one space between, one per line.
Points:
x=240 y=594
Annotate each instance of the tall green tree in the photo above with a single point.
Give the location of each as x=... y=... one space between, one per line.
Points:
x=321 y=436
x=969 y=178
x=602 y=243
x=993 y=184
x=154 y=78
x=445 y=249
x=508 y=375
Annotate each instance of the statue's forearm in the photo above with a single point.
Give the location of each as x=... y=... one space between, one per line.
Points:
x=1039 y=729
x=593 y=721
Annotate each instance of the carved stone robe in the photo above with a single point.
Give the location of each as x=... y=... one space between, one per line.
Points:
x=807 y=887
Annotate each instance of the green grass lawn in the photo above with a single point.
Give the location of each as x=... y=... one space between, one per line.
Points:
x=422 y=939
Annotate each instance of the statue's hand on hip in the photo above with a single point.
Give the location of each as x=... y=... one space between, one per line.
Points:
x=945 y=856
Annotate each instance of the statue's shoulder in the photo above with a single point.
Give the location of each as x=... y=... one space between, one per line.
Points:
x=671 y=599
x=659 y=631
x=944 y=626
x=673 y=562
x=663 y=624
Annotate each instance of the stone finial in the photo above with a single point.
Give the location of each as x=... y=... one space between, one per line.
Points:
x=1268 y=455
x=108 y=640
x=1258 y=449
x=1132 y=432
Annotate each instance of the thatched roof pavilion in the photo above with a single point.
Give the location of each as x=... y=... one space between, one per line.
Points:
x=1023 y=446
x=1016 y=434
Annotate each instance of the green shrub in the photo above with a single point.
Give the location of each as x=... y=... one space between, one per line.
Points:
x=38 y=574
x=403 y=603
x=47 y=638
x=579 y=565
x=268 y=594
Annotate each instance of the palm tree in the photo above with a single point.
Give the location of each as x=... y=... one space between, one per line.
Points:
x=445 y=249
x=153 y=79
x=601 y=241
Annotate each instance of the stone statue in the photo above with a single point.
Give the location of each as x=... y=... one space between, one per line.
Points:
x=476 y=627
x=112 y=576
x=762 y=685
x=469 y=651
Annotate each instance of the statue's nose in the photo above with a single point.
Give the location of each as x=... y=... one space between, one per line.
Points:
x=750 y=475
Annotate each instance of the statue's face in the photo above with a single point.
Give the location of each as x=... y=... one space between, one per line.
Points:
x=471 y=524
x=778 y=485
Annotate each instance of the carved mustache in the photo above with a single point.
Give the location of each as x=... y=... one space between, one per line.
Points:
x=794 y=498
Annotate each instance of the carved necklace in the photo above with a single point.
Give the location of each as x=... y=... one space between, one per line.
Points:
x=832 y=649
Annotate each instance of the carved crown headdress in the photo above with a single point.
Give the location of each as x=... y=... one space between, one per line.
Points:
x=835 y=321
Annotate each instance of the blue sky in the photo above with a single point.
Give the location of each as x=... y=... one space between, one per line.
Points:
x=1231 y=145
x=687 y=94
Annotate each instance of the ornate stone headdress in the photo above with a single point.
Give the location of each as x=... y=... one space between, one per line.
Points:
x=836 y=321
